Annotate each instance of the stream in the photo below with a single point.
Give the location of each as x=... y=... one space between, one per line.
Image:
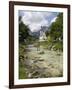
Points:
x=43 y=63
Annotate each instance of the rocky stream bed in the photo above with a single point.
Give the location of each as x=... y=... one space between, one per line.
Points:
x=43 y=63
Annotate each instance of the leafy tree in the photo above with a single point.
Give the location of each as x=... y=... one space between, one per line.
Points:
x=57 y=28
x=55 y=35
x=23 y=31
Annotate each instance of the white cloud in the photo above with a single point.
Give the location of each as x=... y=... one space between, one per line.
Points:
x=53 y=20
x=36 y=19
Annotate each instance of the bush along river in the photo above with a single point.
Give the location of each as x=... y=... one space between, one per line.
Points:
x=42 y=63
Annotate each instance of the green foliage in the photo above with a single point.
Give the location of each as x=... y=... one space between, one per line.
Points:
x=24 y=35
x=23 y=31
x=22 y=72
x=55 y=35
x=58 y=46
x=49 y=39
x=57 y=28
x=21 y=52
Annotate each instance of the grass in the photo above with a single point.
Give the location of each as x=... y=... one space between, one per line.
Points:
x=22 y=72
x=58 y=46
x=52 y=45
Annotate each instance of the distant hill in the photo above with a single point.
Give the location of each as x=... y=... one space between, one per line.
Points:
x=37 y=34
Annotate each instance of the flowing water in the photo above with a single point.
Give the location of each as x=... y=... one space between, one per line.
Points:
x=43 y=63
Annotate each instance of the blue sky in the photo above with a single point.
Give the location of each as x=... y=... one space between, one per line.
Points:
x=36 y=19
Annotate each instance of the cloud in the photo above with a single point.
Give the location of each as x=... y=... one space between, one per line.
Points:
x=35 y=20
x=53 y=20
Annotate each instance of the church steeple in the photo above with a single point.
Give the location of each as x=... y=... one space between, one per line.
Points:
x=42 y=36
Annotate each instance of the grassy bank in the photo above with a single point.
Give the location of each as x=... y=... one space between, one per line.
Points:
x=22 y=71
x=52 y=45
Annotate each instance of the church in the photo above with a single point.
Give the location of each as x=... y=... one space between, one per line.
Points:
x=42 y=36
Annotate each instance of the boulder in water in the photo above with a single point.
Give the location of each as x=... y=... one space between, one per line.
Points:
x=42 y=52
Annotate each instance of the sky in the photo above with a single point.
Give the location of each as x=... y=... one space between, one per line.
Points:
x=36 y=19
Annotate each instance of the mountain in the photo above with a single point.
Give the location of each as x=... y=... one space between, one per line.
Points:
x=37 y=34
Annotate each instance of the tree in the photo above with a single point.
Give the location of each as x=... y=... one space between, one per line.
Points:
x=57 y=28
x=23 y=31
x=55 y=35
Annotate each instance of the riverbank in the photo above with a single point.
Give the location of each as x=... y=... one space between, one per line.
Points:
x=42 y=63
